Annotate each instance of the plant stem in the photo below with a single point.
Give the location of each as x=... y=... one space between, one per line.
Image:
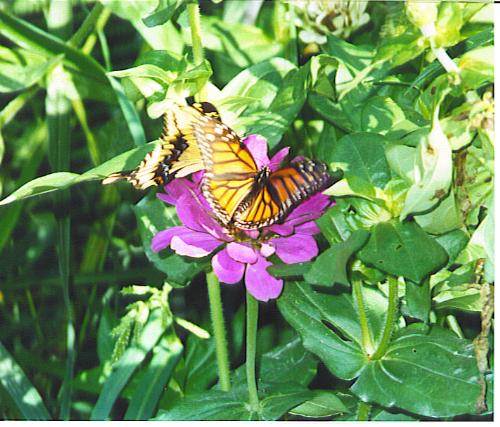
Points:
x=219 y=331
x=363 y=411
x=252 y=320
x=87 y=26
x=193 y=10
x=366 y=339
x=390 y=319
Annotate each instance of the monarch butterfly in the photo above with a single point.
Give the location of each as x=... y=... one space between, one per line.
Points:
x=242 y=195
x=177 y=155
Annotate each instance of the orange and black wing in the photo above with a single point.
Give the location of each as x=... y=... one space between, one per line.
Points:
x=230 y=170
x=283 y=190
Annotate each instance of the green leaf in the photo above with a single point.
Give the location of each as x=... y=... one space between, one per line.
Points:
x=153 y=215
x=306 y=310
x=383 y=116
x=89 y=76
x=156 y=377
x=362 y=155
x=403 y=249
x=280 y=365
x=61 y=180
x=163 y=13
x=289 y=270
x=418 y=300
x=324 y=404
x=20 y=68
x=275 y=400
x=419 y=370
x=19 y=388
x=331 y=266
x=432 y=175
x=200 y=365
x=127 y=365
x=443 y=218
x=401 y=159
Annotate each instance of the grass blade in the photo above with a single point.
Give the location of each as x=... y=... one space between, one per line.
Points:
x=25 y=396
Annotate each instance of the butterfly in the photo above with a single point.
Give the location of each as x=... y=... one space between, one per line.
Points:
x=242 y=195
x=177 y=155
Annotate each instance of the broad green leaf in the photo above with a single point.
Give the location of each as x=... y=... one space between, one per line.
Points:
x=19 y=388
x=305 y=310
x=153 y=216
x=149 y=390
x=403 y=249
x=383 y=116
x=89 y=76
x=163 y=13
x=289 y=270
x=432 y=173
x=280 y=365
x=362 y=155
x=418 y=371
x=213 y=405
x=127 y=365
x=389 y=416
x=324 y=404
x=159 y=37
x=272 y=122
x=200 y=365
x=443 y=218
x=401 y=159
x=461 y=297
x=20 y=68
x=448 y=24
x=260 y=82
x=62 y=180
x=330 y=267
x=418 y=300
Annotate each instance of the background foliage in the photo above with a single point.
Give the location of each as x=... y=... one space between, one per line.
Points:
x=390 y=322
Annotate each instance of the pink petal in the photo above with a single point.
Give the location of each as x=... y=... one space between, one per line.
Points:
x=266 y=249
x=281 y=229
x=296 y=248
x=310 y=209
x=194 y=244
x=242 y=252
x=257 y=145
x=276 y=160
x=260 y=283
x=309 y=228
x=226 y=269
x=162 y=239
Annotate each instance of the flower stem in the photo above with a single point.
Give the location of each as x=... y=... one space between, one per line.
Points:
x=363 y=411
x=193 y=10
x=219 y=331
x=390 y=319
x=366 y=339
x=252 y=319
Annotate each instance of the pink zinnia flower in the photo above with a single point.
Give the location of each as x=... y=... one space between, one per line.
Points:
x=244 y=255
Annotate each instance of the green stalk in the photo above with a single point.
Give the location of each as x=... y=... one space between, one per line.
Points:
x=366 y=338
x=87 y=27
x=252 y=320
x=363 y=411
x=219 y=331
x=390 y=319
x=193 y=10
x=58 y=109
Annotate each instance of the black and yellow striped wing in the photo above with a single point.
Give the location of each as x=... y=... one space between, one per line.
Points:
x=177 y=155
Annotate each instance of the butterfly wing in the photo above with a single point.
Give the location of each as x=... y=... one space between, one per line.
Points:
x=282 y=191
x=230 y=170
x=177 y=155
